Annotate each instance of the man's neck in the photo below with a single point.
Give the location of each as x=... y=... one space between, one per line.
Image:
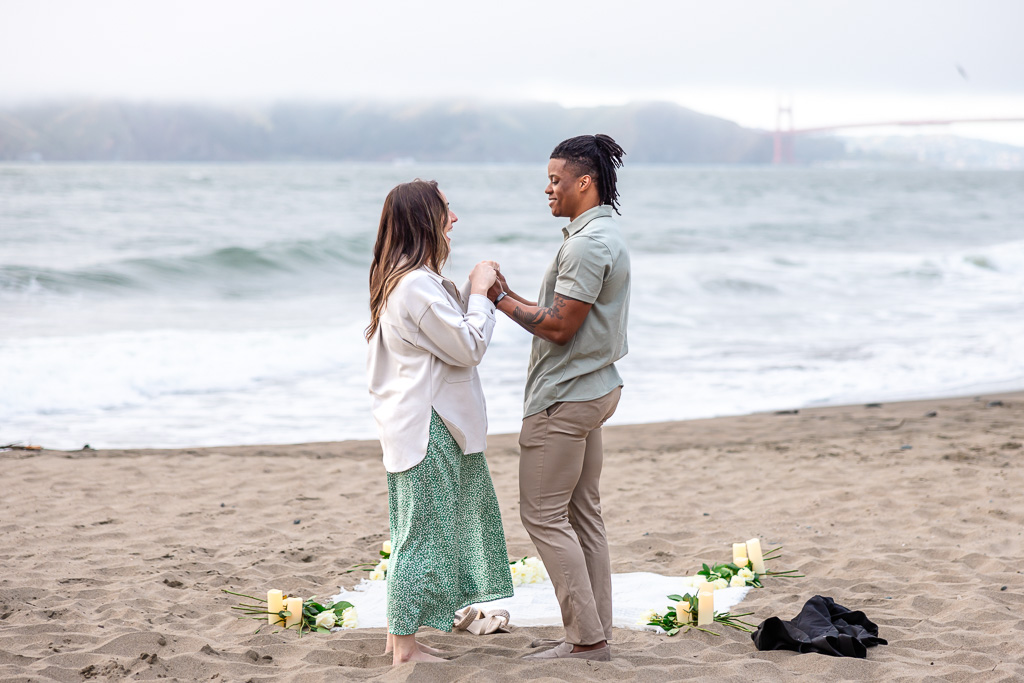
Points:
x=583 y=209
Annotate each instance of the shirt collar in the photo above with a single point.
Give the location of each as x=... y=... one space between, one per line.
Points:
x=431 y=273
x=445 y=282
x=600 y=211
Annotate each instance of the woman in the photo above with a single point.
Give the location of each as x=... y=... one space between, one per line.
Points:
x=426 y=338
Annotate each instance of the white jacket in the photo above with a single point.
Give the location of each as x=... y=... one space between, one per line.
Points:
x=424 y=355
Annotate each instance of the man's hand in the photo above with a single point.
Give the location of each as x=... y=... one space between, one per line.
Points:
x=508 y=290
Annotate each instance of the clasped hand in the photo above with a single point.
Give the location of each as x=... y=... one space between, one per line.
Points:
x=486 y=278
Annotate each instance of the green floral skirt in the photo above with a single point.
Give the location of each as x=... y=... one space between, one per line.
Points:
x=447 y=542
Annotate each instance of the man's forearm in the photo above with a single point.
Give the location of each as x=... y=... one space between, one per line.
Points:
x=512 y=295
x=530 y=318
x=549 y=323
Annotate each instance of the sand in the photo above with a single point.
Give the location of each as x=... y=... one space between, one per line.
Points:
x=112 y=562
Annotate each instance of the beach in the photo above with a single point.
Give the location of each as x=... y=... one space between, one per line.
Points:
x=115 y=561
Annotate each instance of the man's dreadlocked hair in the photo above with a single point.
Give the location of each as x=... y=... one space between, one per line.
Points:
x=596 y=156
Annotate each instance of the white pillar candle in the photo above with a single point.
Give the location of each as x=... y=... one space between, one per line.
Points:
x=683 y=611
x=756 y=558
x=275 y=603
x=293 y=605
x=705 y=604
x=739 y=554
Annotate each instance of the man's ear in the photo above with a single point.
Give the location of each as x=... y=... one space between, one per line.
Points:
x=585 y=181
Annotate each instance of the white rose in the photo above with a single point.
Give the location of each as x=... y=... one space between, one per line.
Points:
x=326 y=619
x=537 y=566
x=737 y=582
x=383 y=565
x=517 y=574
x=720 y=583
x=349 y=618
x=386 y=547
x=747 y=574
x=647 y=617
x=377 y=575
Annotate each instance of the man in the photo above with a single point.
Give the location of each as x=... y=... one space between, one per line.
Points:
x=572 y=387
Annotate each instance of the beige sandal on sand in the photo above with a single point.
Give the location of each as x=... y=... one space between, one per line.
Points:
x=496 y=621
x=464 y=617
x=482 y=622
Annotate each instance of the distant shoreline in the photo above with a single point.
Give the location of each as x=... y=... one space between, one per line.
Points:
x=836 y=165
x=431 y=132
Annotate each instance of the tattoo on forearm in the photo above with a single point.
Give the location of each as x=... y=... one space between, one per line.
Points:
x=532 y=320
x=529 y=320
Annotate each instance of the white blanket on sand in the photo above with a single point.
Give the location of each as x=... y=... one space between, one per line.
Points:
x=534 y=604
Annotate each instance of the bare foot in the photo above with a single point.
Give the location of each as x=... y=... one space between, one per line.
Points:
x=423 y=647
x=429 y=650
x=417 y=656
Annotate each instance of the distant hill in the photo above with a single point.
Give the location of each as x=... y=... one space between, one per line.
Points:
x=943 y=151
x=362 y=131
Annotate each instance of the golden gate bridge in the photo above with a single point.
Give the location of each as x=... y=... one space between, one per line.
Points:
x=785 y=133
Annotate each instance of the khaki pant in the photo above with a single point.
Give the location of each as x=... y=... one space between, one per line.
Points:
x=560 y=505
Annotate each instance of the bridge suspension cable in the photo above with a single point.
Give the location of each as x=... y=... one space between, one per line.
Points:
x=784 y=136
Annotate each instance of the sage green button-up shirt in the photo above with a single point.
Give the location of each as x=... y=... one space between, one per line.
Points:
x=591 y=266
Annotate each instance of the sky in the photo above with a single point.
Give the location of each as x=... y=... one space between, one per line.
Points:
x=835 y=61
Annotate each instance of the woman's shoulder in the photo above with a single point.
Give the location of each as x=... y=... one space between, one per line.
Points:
x=416 y=290
x=420 y=281
x=421 y=276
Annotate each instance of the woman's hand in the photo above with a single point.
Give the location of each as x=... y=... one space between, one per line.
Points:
x=483 y=275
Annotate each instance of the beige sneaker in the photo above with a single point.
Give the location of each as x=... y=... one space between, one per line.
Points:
x=564 y=651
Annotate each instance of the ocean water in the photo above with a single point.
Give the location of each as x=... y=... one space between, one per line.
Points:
x=185 y=305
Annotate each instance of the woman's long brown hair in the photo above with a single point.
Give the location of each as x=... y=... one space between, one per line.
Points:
x=411 y=235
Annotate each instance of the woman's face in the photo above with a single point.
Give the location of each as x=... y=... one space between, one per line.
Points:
x=452 y=220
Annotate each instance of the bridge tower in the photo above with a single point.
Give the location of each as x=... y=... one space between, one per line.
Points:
x=783 y=138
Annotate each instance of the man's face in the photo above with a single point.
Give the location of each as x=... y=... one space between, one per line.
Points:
x=563 y=189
